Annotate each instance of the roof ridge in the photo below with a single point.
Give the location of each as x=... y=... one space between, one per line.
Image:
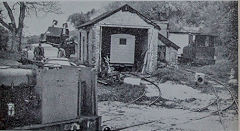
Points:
x=167 y=41
x=109 y=13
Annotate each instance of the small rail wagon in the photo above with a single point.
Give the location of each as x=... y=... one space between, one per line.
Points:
x=49 y=99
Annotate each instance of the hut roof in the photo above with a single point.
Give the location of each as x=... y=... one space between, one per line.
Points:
x=167 y=41
x=125 y=7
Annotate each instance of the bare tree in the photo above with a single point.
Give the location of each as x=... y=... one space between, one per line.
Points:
x=25 y=8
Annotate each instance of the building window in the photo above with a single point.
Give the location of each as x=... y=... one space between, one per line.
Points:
x=123 y=41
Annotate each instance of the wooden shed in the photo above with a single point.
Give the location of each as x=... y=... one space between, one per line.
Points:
x=127 y=38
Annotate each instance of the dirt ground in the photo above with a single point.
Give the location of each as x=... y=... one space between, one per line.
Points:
x=188 y=108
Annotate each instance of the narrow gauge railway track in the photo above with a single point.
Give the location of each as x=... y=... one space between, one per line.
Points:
x=219 y=110
x=144 y=92
x=159 y=97
x=219 y=82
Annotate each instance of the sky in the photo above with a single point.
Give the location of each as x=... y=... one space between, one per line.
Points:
x=37 y=25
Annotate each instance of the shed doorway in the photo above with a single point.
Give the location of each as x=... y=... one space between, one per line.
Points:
x=125 y=47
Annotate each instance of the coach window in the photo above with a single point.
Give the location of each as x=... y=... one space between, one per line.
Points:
x=123 y=41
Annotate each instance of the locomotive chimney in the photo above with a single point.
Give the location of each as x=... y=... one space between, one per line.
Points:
x=65 y=26
x=54 y=22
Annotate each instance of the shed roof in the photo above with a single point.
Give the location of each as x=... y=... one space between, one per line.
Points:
x=194 y=33
x=159 y=22
x=125 y=7
x=54 y=31
x=167 y=41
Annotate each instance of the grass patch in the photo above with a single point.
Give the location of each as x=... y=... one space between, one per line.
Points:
x=123 y=92
x=171 y=74
x=180 y=76
x=220 y=70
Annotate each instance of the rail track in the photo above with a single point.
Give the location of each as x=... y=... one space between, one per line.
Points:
x=219 y=82
x=159 y=97
x=219 y=110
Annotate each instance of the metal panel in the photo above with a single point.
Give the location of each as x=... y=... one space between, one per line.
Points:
x=59 y=94
x=88 y=91
x=122 y=53
x=16 y=76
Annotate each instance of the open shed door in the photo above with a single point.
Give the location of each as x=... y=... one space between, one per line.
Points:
x=122 y=48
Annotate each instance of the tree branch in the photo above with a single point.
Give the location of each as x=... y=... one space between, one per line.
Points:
x=13 y=7
x=5 y=24
x=10 y=14
x=21 y=16
x=31 y=5
x=46 y=7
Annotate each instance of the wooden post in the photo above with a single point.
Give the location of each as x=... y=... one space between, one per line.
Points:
x=93 y=86
x=100 y=50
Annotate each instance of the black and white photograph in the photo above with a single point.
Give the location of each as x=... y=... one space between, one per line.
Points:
x=78 y=65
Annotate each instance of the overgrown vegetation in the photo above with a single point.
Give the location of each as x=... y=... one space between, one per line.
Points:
x=221 y=70
x=79 y=18
x=27 y=105
x=3 y=39
x=170 y=74
x=180 y=76
x=122 y=92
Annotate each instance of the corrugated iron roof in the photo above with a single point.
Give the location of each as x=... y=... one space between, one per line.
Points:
x=125 y=7
x=167 y=41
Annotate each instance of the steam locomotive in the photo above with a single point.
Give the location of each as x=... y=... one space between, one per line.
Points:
x=200 y=50
x=45 y=99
